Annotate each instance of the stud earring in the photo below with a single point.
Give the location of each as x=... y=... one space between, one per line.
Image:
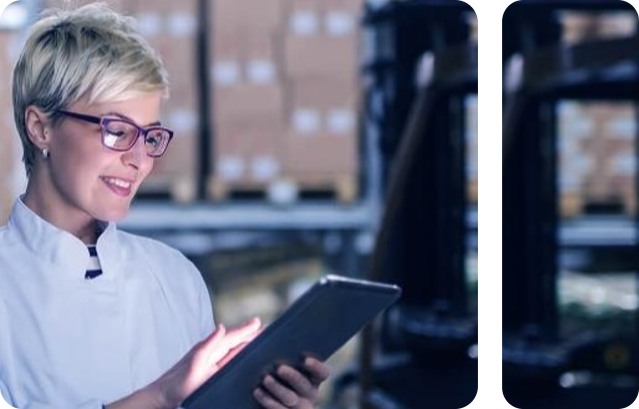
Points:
x=45 y=153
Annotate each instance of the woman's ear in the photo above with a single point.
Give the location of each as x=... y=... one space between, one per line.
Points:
x=38 y=127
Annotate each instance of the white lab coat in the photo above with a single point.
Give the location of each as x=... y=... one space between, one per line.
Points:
x=71 y=343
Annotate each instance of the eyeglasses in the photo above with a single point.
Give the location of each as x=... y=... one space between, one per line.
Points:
x=121 y=134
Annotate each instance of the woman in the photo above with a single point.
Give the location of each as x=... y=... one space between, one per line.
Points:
x=90 y=316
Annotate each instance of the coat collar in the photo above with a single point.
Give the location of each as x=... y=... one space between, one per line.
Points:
x=61 y=248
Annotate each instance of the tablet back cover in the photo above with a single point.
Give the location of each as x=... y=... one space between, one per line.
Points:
x=317 y=324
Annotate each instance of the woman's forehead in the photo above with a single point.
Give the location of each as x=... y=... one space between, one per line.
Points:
x=143 y=109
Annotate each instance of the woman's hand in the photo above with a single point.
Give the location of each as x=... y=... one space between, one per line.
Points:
x=201 y=362
x=293 y=389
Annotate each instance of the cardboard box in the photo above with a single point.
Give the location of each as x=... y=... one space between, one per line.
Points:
x=258 y=16
x=171 y=28
x=584 y=26
x=578 y=27
x=354 y=7
x=321 y=39
x=226 y=53
x=320 y=57
x=319 y=154
x=303 y=17
x=322 y=128
x=261 y=59
x=248 y=104
x=168 y=6
x=617 y=24
x=248 y=155
x=11 y=168
x=264 y=155
x=9 y=159
x=325 y=96
x=474 y=28
x=240 y=57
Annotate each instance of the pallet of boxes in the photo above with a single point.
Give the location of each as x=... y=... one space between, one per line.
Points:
x=472 y=150
x=610 y=184
x=172 y=29
x=11 y=169
x=284 y=106
x=597 y=159
x=471 y=127
x=597 y=153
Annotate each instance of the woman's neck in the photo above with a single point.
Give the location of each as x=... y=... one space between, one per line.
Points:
x=47 y=203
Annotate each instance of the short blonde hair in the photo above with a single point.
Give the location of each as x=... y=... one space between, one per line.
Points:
x=90 y=52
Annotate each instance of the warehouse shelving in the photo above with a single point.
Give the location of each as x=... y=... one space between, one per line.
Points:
x=541 y=70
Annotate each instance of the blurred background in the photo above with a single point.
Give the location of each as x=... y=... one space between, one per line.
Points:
x=570 y=248
x=314 y=137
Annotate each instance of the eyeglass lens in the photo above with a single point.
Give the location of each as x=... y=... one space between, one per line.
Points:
x=121 y=135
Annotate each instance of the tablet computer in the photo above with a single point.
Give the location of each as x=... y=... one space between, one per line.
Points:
x=317 y=324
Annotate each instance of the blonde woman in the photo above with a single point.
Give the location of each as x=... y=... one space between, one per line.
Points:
x=90 y=316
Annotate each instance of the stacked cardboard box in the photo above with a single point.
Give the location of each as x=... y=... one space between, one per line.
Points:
x=585 y=26
x=10 y=166
x=472 y=149
x=171 y=28
x=283 y=76
x=248 y=99
x=597 y=156
x=474 y=27
x=611 y=180
x=574 y=128
x=598 y=161
x=320 y=61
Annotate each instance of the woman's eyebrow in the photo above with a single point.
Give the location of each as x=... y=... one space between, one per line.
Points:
x=156 y=123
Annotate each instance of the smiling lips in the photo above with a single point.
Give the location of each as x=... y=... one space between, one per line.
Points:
x=121 y=187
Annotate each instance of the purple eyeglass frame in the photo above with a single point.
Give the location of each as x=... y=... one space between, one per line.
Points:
x=103 y=121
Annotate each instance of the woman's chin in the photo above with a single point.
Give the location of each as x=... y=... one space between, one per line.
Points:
x=112 y=215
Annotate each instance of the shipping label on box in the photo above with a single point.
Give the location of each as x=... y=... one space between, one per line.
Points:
x=339 y=23
x=323 y=107
x=183 y=121
x=260 y=59
x=226 y=55
x=181 y=24
x=340 y=121
x=304 y=23
x=248 y=153
x=265 y=168
x=230 y=168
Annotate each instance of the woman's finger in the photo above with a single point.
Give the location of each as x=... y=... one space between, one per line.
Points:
x=266 y=400
x=300 y=383
x=318 y=370
x=243 y=333
x=280 y=392
x=231 y=354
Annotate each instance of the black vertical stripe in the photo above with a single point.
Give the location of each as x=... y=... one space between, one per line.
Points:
x=90 y=274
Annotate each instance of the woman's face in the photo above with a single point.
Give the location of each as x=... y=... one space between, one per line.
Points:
x=91 y=178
